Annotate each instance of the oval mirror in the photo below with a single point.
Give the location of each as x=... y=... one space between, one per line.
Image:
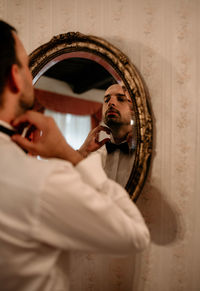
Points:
x=71 y=74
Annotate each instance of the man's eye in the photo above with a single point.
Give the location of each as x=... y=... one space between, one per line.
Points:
x=121 y=99
x=106 y=100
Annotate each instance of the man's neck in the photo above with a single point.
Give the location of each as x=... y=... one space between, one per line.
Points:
x=120 y=134
x=5 y=117
x=8 y=108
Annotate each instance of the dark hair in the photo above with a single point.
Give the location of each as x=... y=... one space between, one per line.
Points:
x=7 y=53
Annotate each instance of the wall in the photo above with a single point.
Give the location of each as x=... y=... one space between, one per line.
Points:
x=162 y=39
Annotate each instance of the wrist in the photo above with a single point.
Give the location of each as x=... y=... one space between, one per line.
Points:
x=83 y=153
x=69 y=154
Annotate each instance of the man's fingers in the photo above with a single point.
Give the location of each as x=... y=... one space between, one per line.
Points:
x=22 y=119
x=129 y=137
x=22 y=142
x=36 y=135
x=104 y=128
x=101 y=128
x=103 y=141
x=31 y=117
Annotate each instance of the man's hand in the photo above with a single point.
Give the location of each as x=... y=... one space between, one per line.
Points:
x=92 y=142
x=47 y=140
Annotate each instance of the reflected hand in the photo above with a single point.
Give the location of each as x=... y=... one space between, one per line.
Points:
x=92 y=142
x=47 y=140
x=129 y=137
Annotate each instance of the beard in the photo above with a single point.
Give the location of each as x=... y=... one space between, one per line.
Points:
x=26 y=99
x=25 y=103
x=115 y=122
x=112 y=119
x=112 y=122
x=24 y=106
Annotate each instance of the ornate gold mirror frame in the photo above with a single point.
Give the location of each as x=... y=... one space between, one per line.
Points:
x=119 y=66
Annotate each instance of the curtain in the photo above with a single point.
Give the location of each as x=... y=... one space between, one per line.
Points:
x=75 y=128
x=74 y=116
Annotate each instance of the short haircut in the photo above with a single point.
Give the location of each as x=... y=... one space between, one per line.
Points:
x=8 y=55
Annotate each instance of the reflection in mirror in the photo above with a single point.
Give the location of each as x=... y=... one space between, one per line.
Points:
x=72 y=75
x=81 y=82
x=86 y=86
x=119 y=152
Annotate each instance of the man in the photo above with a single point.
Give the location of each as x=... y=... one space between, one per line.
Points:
x=117 y=151
x=52 y=207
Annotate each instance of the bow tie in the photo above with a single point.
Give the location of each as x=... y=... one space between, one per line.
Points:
x=111 y=147
x=6 y=130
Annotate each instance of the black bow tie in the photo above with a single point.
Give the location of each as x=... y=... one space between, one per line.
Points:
x=111 y=147
x=6 y=130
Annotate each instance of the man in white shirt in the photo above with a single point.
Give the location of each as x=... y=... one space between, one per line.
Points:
x=118 y=149
x=52 y=207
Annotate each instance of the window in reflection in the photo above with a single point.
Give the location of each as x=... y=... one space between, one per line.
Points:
x=75 y=128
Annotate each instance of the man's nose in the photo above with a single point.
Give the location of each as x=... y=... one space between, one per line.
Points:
x=112 y=101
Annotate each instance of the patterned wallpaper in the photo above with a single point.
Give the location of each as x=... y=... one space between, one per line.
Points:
x=162 y=39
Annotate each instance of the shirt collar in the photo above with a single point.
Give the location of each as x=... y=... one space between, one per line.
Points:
x=6 y=124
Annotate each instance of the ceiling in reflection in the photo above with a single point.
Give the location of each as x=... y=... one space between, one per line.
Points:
x=81 y=74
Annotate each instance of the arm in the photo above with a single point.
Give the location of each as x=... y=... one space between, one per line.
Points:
x=81 y=209
x=92 y=142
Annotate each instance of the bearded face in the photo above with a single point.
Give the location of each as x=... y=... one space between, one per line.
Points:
x=117 y=106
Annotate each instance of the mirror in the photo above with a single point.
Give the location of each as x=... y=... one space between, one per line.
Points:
x=82 y=67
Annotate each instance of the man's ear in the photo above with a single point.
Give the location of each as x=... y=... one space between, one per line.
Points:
x=15 y=80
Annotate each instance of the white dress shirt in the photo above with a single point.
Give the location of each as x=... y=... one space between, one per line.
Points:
x=117 y=165
x=49 y=208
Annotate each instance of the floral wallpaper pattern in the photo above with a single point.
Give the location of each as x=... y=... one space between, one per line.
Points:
x=162 y=39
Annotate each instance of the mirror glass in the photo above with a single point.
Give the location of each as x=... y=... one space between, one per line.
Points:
x=72 y=74
x=82 y=83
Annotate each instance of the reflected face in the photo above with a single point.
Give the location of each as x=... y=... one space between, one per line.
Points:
x=117 y=106
x=26 y=98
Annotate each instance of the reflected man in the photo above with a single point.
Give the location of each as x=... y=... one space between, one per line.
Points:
x=117 y=148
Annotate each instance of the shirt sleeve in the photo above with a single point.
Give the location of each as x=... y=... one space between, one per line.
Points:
x=81 y=209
